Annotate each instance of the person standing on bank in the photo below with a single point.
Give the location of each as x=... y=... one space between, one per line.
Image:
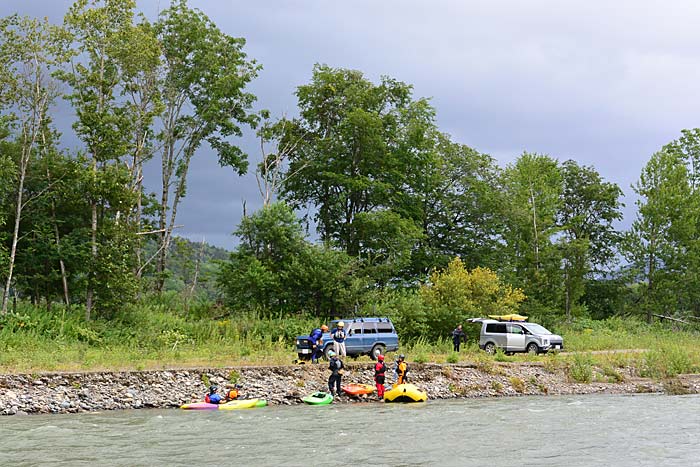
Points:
x=402 y=370
x=336 y=367
x=457 y=337
x=316 y=343
x=339 y=339
x=379 y=372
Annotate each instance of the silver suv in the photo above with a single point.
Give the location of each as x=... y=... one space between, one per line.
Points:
x=516 y=337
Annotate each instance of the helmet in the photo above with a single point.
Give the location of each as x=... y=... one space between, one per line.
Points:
x=213 y=388
x=340 y=324
x=324 y=328
x=402 y=357
x=380 y=357
x=331 y=353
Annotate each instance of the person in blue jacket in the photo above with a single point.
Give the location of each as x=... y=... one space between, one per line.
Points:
x=214 y=397
x=316 y=342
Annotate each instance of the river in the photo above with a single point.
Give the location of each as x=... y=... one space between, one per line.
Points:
x=593 y=430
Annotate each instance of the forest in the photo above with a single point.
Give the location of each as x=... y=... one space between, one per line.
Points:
x=367 y=206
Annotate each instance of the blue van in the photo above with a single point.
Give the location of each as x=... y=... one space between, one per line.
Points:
x=365 y=336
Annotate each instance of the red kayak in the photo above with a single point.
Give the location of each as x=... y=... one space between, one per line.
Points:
x=354 y=389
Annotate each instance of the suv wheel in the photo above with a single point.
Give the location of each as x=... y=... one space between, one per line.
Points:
x=377 y=350
x=532 y=348
x=490 y=348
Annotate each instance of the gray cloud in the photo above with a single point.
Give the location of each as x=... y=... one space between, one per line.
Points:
x=604 y=83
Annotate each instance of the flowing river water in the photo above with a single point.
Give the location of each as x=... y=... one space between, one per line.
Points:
x=593 y=430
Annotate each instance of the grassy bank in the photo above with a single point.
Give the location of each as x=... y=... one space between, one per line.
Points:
x=154 y=334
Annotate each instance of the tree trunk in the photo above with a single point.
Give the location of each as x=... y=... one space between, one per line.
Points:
x=28 y=141
x=93 y=251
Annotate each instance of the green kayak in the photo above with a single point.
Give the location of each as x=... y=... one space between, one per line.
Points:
x=318 y=398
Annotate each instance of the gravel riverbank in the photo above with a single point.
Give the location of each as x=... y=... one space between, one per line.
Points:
x=96 y=391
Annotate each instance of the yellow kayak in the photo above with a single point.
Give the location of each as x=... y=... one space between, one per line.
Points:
x=405 y=393
x=511 y=317
x=243 y=404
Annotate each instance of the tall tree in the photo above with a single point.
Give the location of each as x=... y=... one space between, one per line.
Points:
x=532 y=187
x=99 y=32
x=666 y=224
x=462 y=209
x=202 y=82
x=365 y=147
x=29 y=49
x=589 y=207
x=275 y=269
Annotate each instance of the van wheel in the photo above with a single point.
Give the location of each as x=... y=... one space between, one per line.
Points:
x=532 y=348
x=377 y=350
x=490 y=348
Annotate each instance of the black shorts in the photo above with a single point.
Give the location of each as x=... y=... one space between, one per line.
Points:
x=379 y=379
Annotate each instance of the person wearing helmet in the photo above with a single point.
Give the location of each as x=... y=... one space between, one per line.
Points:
x=213 y=397
x=379 y=371
x=336 y=367
x=402 y=370
x=316 y=342
x=339 y=339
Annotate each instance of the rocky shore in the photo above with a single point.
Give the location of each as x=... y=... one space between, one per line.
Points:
x=23 y=394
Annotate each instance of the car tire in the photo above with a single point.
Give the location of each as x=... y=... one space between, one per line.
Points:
x=490 y=348
x=532 y=348
x=377 y=350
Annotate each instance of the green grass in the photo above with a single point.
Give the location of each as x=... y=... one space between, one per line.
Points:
x=155 y=334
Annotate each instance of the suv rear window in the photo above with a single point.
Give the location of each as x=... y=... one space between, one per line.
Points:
x=384 y=327
x=499 y=328
x=369 y=328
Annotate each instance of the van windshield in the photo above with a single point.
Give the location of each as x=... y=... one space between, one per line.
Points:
x=537 y=329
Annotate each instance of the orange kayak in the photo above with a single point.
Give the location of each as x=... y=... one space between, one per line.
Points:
x=357 y=389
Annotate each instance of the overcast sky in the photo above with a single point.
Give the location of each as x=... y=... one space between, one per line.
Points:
x=603 y=83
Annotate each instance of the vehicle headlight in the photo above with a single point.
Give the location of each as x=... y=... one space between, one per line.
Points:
x=297 y=341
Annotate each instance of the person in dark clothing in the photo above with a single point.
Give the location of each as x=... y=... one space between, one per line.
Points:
x=316 y=342
x=457 y=337
x=379 y=371
x=336 y=367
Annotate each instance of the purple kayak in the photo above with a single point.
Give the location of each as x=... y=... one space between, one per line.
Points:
x=200 y=406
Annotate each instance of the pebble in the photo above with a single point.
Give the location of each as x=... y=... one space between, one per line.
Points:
x=73 y=392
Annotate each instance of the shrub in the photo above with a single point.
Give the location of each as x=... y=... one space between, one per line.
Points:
x=580 y=368
x=518 y=384
x=453 y=357
x=421 y=358
x=666 y=362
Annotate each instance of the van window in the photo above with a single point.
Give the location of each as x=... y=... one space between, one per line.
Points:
x=499 y=328
x=514 y=329
x=354 y=329
x=369 y=328
x=384 y=328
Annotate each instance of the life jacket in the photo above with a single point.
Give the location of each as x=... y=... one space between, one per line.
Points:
x=213 y=398
x=315 y=335
x=335 y=365
x=403 y=368
x=339 y=335
x=232 y=394
x=379 y=369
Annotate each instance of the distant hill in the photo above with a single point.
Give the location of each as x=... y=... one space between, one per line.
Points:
x=182 y=264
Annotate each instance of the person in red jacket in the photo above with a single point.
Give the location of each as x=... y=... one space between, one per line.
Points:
x=379 y=370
